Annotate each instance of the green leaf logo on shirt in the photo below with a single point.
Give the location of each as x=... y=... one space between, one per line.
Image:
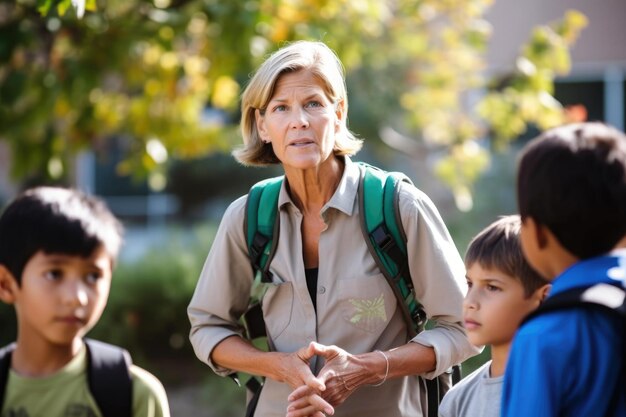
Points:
x=368 y=310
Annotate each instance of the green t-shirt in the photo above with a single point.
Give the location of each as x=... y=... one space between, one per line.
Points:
x=66 y=394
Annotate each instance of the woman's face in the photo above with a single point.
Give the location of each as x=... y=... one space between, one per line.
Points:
x=300 y=121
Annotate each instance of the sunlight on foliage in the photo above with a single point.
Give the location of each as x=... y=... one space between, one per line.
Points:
x=75 y=74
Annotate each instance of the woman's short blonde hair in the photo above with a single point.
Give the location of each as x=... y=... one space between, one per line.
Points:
x=301 y=55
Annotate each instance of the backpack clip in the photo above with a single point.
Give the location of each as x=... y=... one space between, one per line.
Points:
x=259 y=243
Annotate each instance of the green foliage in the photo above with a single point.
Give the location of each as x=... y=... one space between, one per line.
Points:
x=146 y=70
x=147 y=307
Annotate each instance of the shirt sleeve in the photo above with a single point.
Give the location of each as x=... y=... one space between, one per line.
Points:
x=438 y=275
x=223 y=289
x=149 y=397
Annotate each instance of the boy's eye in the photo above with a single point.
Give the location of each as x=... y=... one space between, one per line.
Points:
x=53 y=274
x=492 y=288
x=93 y=277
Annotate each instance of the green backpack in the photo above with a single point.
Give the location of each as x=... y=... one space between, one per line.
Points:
x=382 y=230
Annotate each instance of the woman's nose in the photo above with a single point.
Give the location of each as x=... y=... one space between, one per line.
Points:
x=299 y=119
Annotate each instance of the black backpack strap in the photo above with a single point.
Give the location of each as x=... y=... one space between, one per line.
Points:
x=607 y=297
x=5 y=366
x=110 y=382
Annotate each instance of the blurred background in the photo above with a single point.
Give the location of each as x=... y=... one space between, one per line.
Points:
x=137 y=101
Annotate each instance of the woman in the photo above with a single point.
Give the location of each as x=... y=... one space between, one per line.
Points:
x=294 y=113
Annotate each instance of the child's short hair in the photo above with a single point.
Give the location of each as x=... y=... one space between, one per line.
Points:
x=498 y=247
x=55 y=220
x=572 y=179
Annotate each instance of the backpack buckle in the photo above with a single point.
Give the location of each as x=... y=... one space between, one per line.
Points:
x=382 y=238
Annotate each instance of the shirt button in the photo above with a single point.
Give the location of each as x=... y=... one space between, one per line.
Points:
x=321 y=290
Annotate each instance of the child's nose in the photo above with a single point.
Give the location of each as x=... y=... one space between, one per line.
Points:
x=470 y=301
x=76 y=293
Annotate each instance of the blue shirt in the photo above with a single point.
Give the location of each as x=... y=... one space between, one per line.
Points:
x=567 y=363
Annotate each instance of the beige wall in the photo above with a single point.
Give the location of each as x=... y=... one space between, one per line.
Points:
x=602 y=42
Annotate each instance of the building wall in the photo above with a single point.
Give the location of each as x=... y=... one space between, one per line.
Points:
x=601 y=44
x=597 y=77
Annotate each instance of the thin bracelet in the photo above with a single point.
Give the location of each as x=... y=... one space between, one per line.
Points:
x=386 y=370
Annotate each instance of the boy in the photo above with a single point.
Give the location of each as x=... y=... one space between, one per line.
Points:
x=571 y=189
x=502 y=290
x=57 y=251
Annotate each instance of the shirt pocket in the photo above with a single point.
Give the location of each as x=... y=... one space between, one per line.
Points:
x=277 y=308
x=367 y=303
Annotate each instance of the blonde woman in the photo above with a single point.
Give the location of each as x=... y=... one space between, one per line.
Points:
x=294 y=113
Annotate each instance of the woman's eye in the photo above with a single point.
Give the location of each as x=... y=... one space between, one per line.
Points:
x=313 y=104
x=280 y=108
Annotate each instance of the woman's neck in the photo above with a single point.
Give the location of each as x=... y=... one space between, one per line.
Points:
x=310 y=189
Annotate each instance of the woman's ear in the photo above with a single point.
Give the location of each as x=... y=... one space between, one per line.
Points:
x=8 y=285
x=339 y=114
x=260 y=126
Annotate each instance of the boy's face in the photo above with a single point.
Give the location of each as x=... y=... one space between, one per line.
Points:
x=494 y=306
x=61 y=296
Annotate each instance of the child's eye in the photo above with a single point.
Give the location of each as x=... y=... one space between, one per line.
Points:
x=469 y=284
x=53 y=275
x=492 y=288
x=93 y=277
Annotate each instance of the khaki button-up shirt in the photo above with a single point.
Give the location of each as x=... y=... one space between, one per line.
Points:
x=356 y=307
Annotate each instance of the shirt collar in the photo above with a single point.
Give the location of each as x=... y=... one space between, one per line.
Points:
x=344 y=197
x=610 y=269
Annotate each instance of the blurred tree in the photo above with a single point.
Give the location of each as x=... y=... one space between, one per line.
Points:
x=74 y=73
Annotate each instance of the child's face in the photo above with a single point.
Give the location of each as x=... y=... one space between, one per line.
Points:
x=62 y=296
x=494 y=306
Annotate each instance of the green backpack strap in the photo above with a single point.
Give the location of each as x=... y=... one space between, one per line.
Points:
x=382 y=228
x=261 y=226
x=384 y=234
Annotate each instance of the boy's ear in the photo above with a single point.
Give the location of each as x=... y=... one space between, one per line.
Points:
x=544 y=291
x=8 y=285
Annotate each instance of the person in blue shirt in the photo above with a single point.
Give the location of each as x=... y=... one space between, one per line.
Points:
x=571 y=190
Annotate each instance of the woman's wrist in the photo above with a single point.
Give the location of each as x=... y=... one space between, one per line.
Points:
x=382 y=381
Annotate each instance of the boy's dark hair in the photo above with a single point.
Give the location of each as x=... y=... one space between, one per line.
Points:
x=55 y=220
x=572 y=180
x=498 y=247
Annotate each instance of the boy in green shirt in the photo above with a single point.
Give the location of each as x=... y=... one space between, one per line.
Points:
x=57 y=251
